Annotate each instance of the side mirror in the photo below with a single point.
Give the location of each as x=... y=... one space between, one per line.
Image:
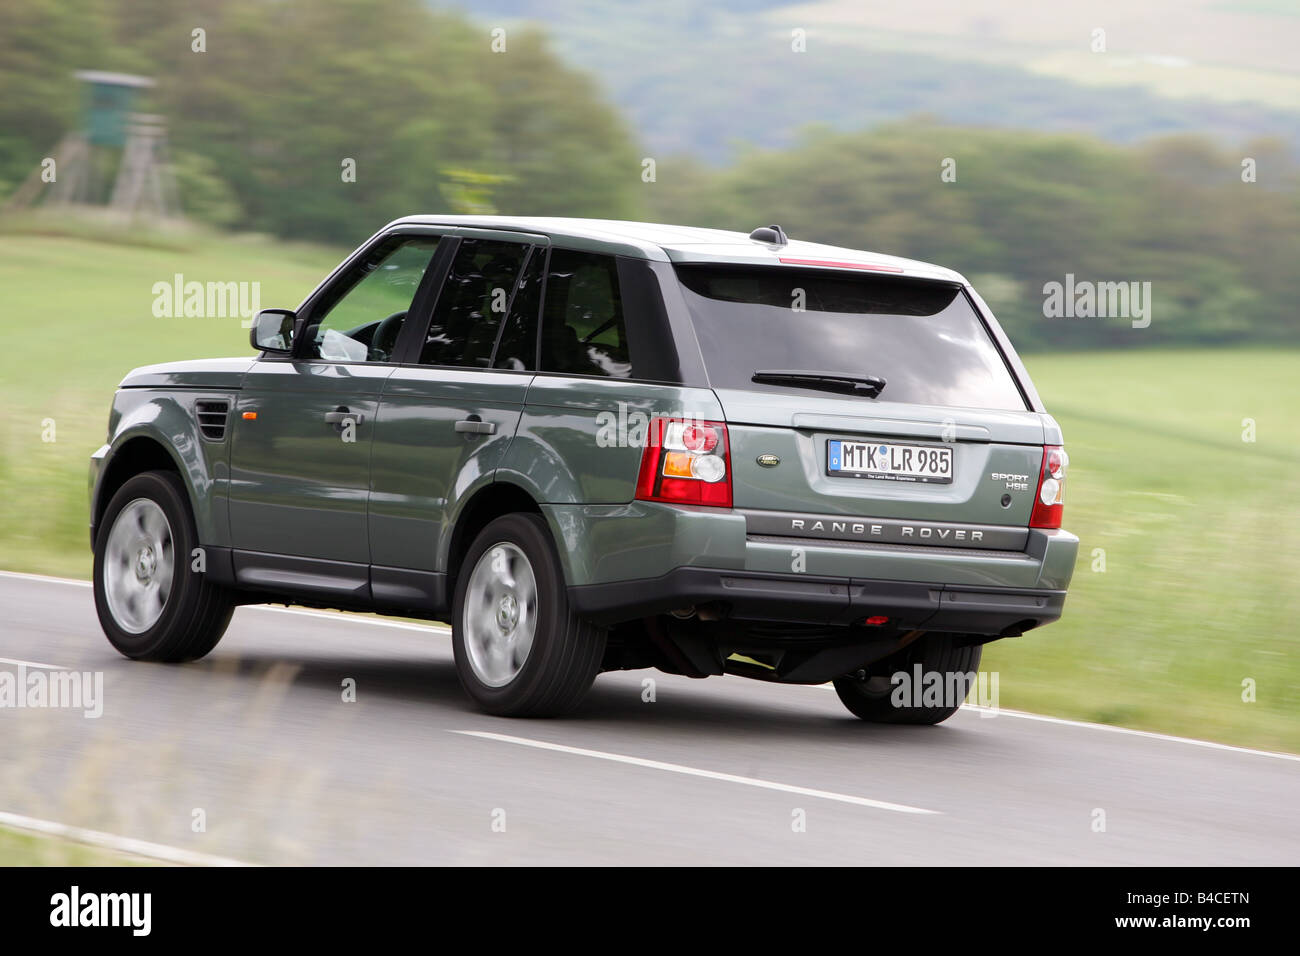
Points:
x=272 y=331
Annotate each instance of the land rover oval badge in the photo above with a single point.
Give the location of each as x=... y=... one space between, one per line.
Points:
x=768 y=461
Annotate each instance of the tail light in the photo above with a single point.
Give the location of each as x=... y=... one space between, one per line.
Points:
x=686 y=462
x=1049 y=501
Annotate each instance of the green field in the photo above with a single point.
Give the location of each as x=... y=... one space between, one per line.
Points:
x=76 y=317
x=1201 y=538
x=1198 y=527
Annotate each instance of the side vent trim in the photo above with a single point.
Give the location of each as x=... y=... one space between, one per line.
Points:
x=212 y=417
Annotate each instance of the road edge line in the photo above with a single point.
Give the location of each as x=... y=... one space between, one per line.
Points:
x=118 y=844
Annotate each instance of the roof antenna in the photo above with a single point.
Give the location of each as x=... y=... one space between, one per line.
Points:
x=773 y=235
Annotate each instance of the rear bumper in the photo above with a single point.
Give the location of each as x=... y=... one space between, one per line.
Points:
x=644 y=541
x=797 y=598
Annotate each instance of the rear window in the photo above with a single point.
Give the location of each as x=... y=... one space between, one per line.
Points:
x=923 y=338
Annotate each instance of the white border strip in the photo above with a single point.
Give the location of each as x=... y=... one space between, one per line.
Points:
x=696 y=772
x=442 y=629
x=118 y=844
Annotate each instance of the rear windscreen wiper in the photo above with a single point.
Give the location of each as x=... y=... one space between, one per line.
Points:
x=868 y=385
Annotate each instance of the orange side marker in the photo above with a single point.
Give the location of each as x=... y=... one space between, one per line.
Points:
x=250 y=416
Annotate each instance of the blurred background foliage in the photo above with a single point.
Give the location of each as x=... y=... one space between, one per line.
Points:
x=1028 y=208
x=261 y=122
x=288 y=89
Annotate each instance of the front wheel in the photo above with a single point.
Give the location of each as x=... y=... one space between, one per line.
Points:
x=520 y=650
x=153 y=600
x=924 y=683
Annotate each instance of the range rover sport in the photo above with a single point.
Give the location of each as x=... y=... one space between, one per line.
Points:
x=595 y=445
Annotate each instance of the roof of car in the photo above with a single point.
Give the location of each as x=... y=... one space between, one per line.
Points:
x=664 y=242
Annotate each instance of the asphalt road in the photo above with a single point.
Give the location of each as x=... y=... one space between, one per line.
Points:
x=259 y=739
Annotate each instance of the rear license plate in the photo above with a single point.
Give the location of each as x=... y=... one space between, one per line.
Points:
x=890 y=461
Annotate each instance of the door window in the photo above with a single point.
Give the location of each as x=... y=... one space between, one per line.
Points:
x=362 y=322
x=517 y=349
x=475 y=297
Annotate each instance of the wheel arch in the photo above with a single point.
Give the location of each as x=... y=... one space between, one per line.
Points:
x=137 y=454
x=145 y=447
x=485 y=505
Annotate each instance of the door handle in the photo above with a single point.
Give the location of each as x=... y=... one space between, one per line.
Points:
x=474 y=426
x=341 y=415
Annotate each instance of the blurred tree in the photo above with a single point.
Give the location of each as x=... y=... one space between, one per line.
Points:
x=1026 y=209
x=320 y=119
x=41 y=43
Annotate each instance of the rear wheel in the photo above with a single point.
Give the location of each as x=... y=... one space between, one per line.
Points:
x=929 y=695
x=153 y=604
x=520 y=650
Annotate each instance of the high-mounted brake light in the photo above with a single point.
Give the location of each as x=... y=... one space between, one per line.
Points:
x=1049 y=500
x=869 y=266
x=686 y=462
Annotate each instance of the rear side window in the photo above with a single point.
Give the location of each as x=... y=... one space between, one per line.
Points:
x=473 y=301
x=583 y=331
x=924 y=338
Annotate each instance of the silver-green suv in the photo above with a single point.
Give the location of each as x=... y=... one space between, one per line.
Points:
x=596 y=445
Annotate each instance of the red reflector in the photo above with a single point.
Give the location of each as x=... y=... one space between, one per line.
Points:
x=699 y=438
x=1056 y=462
x=841 y=265
x=876 y=620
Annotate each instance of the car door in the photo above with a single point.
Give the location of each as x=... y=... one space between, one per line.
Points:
x=300 y=457
x=451 y=407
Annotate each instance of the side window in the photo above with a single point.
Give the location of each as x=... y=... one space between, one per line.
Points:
x=518 y=348
x=582 y=323
x=473 y=302
x=362 y=322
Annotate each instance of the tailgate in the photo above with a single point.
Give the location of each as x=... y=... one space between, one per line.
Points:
x=781 y=450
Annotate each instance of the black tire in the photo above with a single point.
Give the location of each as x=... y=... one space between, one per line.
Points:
x=195 y=611
x=565 y=652
x=873 y=697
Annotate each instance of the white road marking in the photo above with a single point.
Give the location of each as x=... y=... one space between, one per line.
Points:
x=119 y=844
x=696 y=772
x=1149 y=734
x=351 y=618
x=1130 y=731
x=42 y=667
x=1002 y=712
x=305 y=612
x=48 y=579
